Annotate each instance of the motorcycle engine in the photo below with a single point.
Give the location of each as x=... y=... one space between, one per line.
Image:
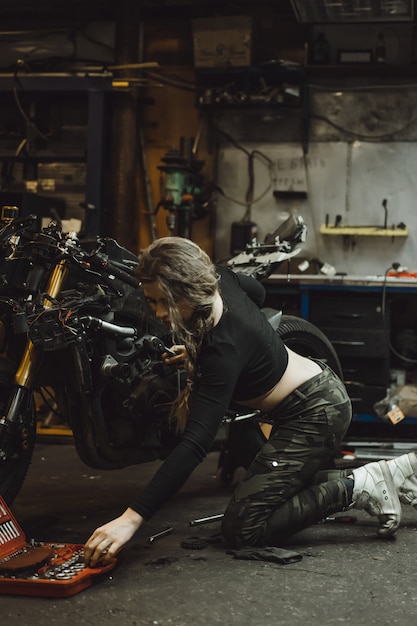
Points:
x=140 y=392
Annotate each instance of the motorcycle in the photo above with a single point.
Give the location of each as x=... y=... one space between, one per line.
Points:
x=76 y=331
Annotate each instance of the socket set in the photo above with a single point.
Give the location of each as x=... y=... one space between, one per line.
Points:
x=38 y=568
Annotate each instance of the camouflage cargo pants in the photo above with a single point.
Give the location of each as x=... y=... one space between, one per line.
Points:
x=286 y=488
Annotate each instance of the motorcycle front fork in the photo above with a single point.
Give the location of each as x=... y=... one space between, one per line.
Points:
x=21 y=389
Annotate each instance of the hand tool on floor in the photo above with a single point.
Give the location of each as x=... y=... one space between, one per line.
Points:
x=168 y=530
x=341 y=519
x=206 y=520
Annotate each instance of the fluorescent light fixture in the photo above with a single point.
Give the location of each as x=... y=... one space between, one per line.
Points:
x=328 y=11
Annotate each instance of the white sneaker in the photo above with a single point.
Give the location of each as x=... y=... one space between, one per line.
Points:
x=375 y=492
x=404 y=474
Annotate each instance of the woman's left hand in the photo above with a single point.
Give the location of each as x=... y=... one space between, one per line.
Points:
x=106 y=541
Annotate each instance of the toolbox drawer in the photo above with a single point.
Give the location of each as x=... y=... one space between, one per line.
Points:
x=369 y=371
x=363 y=397
x=350 y=342
x=348 y=312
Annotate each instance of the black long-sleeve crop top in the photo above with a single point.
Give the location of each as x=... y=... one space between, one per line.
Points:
x=241 y=358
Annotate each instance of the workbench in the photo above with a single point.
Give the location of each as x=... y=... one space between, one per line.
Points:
x=371 y=322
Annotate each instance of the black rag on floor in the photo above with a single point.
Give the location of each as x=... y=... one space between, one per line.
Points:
x=275 y=555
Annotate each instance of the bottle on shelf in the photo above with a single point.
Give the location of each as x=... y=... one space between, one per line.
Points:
x=380 y=48
x=320 y=52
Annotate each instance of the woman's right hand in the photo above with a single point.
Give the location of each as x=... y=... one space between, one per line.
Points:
x=107 y=540
x=178 y=359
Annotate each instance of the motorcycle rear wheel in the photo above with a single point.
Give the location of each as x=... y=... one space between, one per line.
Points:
x=13 y=470
x=308 y=340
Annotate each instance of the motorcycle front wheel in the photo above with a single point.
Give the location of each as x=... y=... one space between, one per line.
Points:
x=20 y=442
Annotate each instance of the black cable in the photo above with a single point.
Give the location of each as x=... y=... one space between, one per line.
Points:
x=360 y=136
x=42 y=392
x=249 y=200
x=23 y=113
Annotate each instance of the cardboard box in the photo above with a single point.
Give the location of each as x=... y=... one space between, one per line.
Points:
x=223 y=42
x=407 y=400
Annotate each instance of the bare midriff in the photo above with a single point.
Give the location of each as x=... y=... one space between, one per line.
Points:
x=299 y=370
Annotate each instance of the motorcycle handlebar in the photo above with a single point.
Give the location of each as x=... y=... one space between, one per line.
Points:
x=121 y=274
x=15 y=226
x=96 y=260
x=106 y=266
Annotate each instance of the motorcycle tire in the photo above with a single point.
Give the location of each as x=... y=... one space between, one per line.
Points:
x=13 y=471
x=308 y=340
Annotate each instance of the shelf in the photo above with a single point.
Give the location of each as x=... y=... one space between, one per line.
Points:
x=56 y=82
x=96 y=89
x=363 y=231
x=358 y=70
x=271 y=84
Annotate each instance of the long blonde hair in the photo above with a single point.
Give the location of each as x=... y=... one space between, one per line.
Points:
x=186 y=275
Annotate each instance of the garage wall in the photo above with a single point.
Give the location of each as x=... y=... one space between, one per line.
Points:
x=360 y=149
x=350 y=180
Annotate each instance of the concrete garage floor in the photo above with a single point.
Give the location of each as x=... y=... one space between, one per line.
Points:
x=346 y=575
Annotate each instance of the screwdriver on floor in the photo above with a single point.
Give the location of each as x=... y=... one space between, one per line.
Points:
x=339 y=519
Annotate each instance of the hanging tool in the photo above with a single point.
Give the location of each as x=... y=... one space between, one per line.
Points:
x=384 y=204
x=187 y=195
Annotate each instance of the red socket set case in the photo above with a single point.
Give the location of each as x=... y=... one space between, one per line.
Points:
x=55 y=570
